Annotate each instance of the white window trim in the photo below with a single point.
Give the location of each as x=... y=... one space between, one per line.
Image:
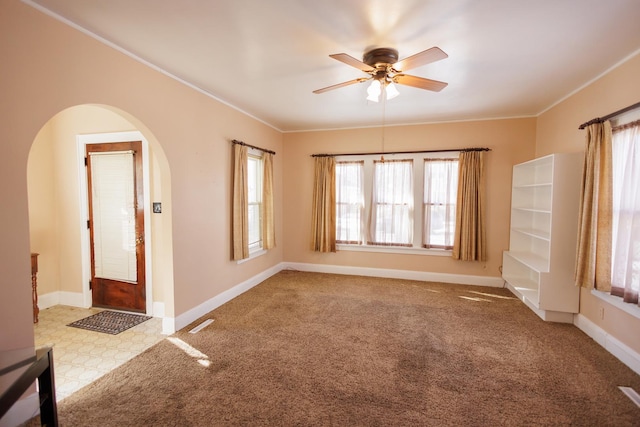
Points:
x=254 y=253
x=629 y=308
x=418 y=190
x=393 y=249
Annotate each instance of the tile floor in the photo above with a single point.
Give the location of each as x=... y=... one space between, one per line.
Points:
x=82 y=356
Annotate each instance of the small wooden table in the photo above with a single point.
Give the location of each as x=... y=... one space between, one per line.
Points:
x=34 y=286
x=22 y=368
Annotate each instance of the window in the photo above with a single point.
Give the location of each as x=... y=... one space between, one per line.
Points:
x=392 y=203
x=349 y=202
x=404 y=202
x=254 y=184
x=440 y=191
x=625 y=259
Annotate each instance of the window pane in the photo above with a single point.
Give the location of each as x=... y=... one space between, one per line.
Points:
x=252 y=179
x=349 y=201
x=113 y=201
x=392 y=203
x=254 y=224
x=254 y=184
x=440 y=192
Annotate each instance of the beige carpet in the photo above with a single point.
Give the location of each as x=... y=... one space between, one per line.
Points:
x=312 y=349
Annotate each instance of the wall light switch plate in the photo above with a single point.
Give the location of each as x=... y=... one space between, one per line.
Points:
x=157 y=207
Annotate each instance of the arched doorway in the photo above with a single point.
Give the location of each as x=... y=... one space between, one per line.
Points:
x=57 y=209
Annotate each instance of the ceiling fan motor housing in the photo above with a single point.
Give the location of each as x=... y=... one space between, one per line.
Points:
x=380 y=56
x=380 y=59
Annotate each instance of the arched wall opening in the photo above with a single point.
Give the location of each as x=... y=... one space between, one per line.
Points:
x=56 y=208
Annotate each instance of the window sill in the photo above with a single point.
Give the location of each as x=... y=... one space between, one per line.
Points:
x=393 y=250
x=253 y=254
x=629 y=308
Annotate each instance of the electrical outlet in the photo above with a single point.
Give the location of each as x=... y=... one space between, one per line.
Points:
x=601 y=313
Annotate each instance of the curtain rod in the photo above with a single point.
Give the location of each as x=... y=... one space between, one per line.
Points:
x=235 y=141
x=610 y=116
x=450 y=150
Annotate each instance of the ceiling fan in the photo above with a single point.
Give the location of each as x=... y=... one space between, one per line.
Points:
x=383 y=68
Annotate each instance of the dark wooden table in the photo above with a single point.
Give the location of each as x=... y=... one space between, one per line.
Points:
x=34 y=286
x=27 y=368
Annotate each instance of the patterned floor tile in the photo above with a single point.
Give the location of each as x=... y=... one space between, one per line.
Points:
x=82 y=356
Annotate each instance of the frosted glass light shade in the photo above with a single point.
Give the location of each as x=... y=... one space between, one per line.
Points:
x=373 y=91
x=391 y=91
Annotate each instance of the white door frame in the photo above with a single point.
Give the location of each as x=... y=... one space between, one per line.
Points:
x=82 y=141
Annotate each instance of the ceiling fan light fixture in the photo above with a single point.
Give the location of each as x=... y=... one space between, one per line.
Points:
x=391 y=91
x=373 y=91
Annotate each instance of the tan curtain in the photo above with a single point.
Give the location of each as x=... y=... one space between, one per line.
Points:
x=323 y=215
x=240 y=203
x=268 y=228
x=470 y=243
x=593 y=259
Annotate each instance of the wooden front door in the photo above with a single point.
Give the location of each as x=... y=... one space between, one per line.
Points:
x=116 y=225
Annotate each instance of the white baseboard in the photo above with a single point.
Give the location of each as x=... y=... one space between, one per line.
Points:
x=624 y=353
x=495 y=282
x=48 y=300
x=73 y=299
x=23 y=410
x=189 y=316
x=168 y=325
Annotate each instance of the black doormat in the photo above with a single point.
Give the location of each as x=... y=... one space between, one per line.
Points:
x=109 y=322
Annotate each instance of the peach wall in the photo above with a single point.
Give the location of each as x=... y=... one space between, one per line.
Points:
x=49 y=67
x=512 y=141
x=557 y=128
x=43 y=210
x=557 y=131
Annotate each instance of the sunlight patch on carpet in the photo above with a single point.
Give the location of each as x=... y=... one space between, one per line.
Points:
x=109 y=322
x=476 y=299
x=202 y=358
x=491 y=295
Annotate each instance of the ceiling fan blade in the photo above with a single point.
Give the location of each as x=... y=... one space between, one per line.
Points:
x=422 y=58
x=339 y=85
x=419 y=82
x=350 y=60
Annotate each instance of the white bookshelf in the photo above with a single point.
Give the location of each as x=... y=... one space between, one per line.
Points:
x=538 y=267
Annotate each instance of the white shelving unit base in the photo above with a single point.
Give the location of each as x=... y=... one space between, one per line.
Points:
x=527 y=295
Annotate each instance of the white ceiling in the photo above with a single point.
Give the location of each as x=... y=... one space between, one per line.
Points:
x=507 y=58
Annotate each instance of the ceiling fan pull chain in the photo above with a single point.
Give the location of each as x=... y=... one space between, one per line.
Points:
x=384 y=108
